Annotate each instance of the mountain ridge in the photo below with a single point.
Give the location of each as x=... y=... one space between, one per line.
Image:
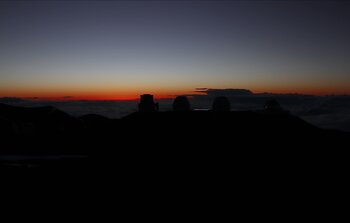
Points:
x=165 y=138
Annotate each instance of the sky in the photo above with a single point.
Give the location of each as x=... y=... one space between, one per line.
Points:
x=120 y=49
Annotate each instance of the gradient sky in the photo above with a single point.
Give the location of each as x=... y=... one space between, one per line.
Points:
x=119 y=49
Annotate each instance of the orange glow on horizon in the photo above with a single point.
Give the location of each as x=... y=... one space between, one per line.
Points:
x=69 y=96
x=124 y=95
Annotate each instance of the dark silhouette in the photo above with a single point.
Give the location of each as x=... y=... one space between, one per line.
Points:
x=181 y=104
x=272 y=106
x=221 y=104
x=6 y=127
x=199 y=152
x=188 y=144
x=147 y=103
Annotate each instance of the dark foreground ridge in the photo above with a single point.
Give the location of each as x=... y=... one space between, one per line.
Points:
x=162 y=141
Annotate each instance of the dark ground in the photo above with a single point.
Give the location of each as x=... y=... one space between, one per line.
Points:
x=203 y=159
x=165 y=141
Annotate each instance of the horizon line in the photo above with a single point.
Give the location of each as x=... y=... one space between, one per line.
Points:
x=73 y=98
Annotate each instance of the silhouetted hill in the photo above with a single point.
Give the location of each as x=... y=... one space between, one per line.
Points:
x=214 y=155
x=35 y=120
x=160 y=141
x=42 y=130
x=230 y=132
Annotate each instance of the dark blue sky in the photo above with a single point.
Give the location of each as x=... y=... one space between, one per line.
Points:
x=123 y=48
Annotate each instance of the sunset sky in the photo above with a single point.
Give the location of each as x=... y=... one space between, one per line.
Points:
x=120 y=49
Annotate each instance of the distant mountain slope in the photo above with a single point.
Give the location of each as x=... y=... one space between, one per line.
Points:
x=48 y=130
